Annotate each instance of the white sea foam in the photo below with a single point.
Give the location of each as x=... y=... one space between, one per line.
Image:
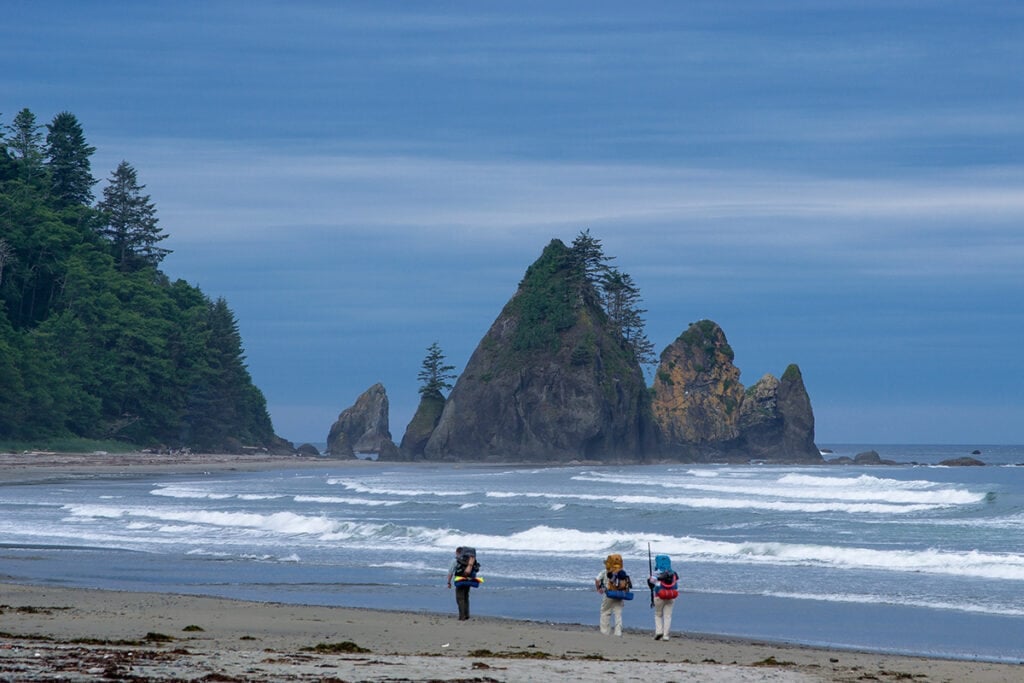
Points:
x=725 y=503
x=972 y=607
x=360 y=487
x=863 y=490
x=340 y=500
x=544 y=540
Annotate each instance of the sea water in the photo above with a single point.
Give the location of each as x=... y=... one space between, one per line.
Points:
x=916 y=559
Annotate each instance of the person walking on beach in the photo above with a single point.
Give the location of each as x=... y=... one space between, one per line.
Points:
x=464 y=564
x=665 y=584
x=614 y=579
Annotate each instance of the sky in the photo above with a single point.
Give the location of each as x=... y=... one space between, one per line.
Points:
x=838 y=184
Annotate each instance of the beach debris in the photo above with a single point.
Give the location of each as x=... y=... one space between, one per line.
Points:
x=346 y=647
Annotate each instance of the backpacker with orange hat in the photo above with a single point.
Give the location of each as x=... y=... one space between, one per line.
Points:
x=617 y=581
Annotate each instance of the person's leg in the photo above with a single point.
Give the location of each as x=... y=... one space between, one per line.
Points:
x=669 y=605
x=659 y=606
x=617 y=612
x=606 y=615
x=462 y=600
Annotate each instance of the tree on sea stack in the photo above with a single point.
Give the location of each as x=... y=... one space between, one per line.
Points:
x=435 y=376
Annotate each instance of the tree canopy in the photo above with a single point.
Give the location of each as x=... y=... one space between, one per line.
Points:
x=95 y=340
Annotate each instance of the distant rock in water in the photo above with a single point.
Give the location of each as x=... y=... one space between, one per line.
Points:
x=551 y=381
x=363 y=427
x=307 y=449
x=705 y=414
x=962 y=462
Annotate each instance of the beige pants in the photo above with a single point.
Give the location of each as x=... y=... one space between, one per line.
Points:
x=663 y=616
x=611 y=608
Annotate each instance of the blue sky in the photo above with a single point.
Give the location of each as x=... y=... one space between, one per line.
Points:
x=837 y=184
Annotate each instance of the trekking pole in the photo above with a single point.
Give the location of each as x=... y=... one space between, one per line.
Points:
x=650 y=572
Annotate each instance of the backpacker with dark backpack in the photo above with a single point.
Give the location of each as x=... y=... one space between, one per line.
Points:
x=462 y=577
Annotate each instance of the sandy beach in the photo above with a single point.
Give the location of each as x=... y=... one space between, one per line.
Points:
x=49 y=633
x=69 y=634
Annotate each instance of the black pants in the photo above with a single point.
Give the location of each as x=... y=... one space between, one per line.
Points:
x=462 y=600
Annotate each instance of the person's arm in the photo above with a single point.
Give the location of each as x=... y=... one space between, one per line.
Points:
x=599 y=583
x=451 y=573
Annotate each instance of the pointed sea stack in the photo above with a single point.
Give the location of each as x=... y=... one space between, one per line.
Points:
x=422 y=425
x=363 y=427
x=551 y=381
x=776 y=420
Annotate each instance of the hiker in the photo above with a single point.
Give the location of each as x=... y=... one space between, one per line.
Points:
x=463 y=565
x=665 y=584
x=616 y=581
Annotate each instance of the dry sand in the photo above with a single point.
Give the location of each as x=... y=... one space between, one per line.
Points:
x=61 y=634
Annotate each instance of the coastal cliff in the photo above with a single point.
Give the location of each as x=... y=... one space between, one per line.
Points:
x=551 y=380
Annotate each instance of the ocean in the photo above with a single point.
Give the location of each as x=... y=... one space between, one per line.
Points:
x=917 y=559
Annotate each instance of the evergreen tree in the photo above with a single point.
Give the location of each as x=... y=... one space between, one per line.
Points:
x=620 y=297
x=435 y=376
x=68 y=155
x=26 y=141
x=622 y=304
x=130 y=222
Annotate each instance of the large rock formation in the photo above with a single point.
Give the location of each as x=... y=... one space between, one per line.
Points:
x=363 y=427
x=776 y=420
x=697 y=390
x=422 y=425
x=550 y=381
x=705 y=414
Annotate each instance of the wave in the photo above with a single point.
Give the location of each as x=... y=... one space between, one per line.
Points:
x=360 y=487
x=971 y=607
x=861 y=489
x=192 y=493
x=723 y=503
x=338 y=500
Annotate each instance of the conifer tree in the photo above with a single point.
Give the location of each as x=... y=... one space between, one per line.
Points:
x=26 y=140
x=130 y=222
x=68 y=155
x=435 y=376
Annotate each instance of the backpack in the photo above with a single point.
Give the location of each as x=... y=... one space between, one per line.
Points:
x=463 y=561
x=667 y=588
x=619 y=581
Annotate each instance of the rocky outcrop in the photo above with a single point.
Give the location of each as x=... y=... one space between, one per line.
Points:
x=417 y=433
x=362 y=428
x=551 y=381
x=776 y=420
x=697 y=389
x=705 y=414
x=962 y=462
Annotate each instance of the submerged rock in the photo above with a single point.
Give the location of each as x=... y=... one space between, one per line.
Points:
x=962 y=462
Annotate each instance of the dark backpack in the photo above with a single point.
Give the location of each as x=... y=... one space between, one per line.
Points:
x=463 y=561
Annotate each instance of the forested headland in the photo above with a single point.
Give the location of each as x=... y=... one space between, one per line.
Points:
x=96 y=341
